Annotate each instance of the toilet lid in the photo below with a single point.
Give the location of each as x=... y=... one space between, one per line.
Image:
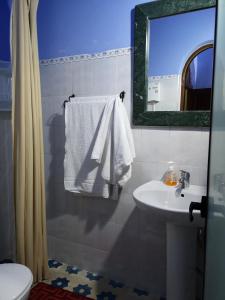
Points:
x=14 y=280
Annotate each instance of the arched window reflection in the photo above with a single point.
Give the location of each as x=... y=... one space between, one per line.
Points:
x=197 y=80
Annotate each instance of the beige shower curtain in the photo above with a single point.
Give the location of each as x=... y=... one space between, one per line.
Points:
x=29 y=182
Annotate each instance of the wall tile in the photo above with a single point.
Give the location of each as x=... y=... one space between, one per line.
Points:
x=152 y=267
x=7 y=245
x=94 y=77
x=58 y=227
x=105 y=76
x=83 y=78
x=137 y=143
x=144 y=172
x=188 y=147
x=198 y=176
x=53 y=111
x=124 y=74
x=102 y=236
x=126 y=211
x=155 y=145
x=98 y=230
x=56 y=79
x=49 y=175
x=85 y=257
x=104 y=207
x=122 y=260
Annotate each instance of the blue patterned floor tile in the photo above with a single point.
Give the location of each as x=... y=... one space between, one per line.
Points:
x=90 y=284
x=116 y=284
x=93 y=276
x=140 y=292
x=72 y=270
x=52 y=263
x=106 y=296
x=82 y=289
x=60 y=282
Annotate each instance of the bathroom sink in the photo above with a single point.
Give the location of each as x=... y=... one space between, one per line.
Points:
x=155 y=196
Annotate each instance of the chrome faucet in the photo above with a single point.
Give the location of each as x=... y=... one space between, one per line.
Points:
x=184 y=182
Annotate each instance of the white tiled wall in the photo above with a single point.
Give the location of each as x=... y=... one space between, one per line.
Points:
x=102 y=235
x=6 y=210
x=5 y=81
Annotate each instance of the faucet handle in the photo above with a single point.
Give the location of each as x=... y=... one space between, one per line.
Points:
x=185 y=176
x=184 y=173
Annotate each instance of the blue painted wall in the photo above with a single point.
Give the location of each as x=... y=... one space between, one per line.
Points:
x=68 y=27
x=172 y=39
x=4 y=30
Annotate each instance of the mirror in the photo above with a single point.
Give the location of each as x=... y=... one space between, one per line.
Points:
x=173 y=62
x=180 y=61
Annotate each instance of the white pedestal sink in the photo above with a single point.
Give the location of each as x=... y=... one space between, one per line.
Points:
x=155 y=196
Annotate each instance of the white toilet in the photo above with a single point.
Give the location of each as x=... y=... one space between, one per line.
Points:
x=15 y=282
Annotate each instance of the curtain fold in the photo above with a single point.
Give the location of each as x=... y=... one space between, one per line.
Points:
x=28 y=154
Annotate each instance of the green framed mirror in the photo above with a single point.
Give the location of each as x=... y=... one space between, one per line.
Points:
x=170 y=87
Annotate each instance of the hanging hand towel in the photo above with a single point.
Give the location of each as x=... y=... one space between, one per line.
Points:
x=117 y=155
x=83 y=118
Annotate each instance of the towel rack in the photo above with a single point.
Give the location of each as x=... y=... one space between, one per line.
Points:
x=122 y=96
x=68 y=100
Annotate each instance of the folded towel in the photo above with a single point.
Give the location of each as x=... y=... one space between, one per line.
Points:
x=99 y=147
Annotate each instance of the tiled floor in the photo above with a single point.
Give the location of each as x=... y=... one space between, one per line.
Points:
x=93 y=285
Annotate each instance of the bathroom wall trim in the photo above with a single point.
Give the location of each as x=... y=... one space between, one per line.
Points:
x=80 y=57
x=158 y=77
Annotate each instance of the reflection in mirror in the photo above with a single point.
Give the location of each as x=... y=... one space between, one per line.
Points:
x=180 y=61
x=196 y=81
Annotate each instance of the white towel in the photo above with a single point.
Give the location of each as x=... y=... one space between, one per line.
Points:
x=118 y=153
x=83 y=117
x=99 y=147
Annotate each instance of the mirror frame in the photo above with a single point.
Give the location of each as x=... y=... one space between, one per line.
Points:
x=143 y=14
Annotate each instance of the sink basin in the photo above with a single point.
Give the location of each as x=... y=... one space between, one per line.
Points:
x=181 y=247
x=155 y=196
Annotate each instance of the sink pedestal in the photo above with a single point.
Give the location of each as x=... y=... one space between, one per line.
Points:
x=181 y=262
